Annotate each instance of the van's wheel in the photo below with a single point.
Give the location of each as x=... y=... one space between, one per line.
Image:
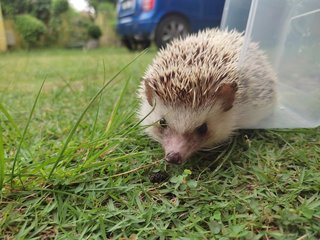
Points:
x=134 y=45
x=169 y=28
x=127 y=42
x=144 y=44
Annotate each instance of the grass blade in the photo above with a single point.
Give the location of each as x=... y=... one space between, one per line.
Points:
x=136 y=125
x=116 y=106
x=10 y=118
x=98 y=110
x=72 y=131
x=225 y=155
x=24 y=133
x=2 y=165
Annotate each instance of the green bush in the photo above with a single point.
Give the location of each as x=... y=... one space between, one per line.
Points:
x=30 y=28
x=94 y=31
x=59 y=7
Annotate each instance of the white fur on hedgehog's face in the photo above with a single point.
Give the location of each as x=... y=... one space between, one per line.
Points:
x=183 y=131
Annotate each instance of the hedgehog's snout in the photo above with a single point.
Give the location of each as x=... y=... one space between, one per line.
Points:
x=177 y=148
x=173 y=157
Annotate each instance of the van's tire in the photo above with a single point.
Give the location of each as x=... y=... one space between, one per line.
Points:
x=169 y=28
x=128 y=44
x=134 y=45
x=144 y=44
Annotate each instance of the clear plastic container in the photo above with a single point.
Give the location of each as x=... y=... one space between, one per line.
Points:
x=289 y=32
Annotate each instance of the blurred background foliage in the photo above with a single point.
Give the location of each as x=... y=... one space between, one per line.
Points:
x=54 y=23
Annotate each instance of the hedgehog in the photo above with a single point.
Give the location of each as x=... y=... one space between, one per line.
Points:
x=195 y=94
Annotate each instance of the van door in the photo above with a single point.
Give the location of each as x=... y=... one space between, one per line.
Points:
x=211 y=13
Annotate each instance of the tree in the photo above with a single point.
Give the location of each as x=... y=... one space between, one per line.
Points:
x=59 y=7
x=11 y=8
x=95 y=3
x=38 y=8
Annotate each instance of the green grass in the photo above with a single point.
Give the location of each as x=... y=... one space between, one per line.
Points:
x=84 y=173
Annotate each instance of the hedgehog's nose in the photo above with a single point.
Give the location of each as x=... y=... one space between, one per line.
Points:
x=173 y=157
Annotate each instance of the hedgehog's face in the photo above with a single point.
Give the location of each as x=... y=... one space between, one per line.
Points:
x=182 y=131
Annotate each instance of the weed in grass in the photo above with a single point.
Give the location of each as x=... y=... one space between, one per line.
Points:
x=2 y=160
x=23 y=136
x=263 y=185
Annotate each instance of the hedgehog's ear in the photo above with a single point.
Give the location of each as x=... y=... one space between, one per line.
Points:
x=226 y=93
x=149 y=93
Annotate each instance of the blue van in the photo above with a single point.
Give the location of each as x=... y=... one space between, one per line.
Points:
x=139 y=22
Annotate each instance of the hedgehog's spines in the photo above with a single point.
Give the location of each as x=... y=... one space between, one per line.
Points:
x=194 y=68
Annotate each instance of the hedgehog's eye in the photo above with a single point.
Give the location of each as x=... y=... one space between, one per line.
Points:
x=163 y=123
x=202 y=129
